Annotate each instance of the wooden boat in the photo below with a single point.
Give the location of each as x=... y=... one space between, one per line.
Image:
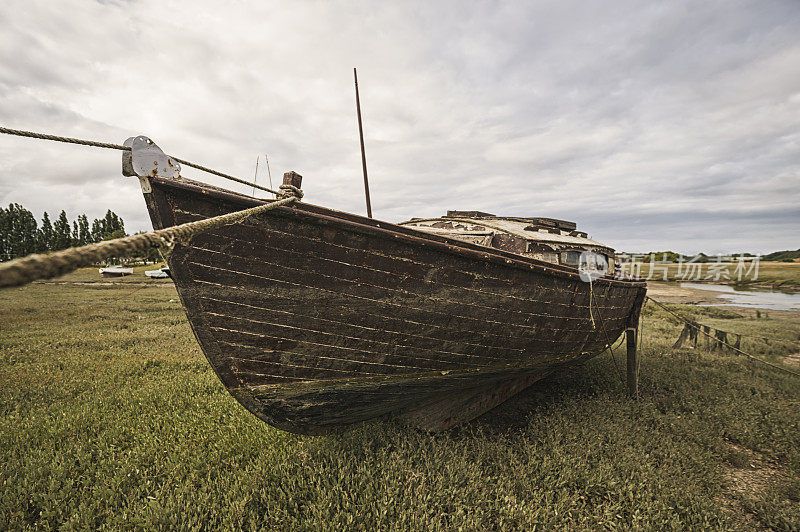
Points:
x=316 y=319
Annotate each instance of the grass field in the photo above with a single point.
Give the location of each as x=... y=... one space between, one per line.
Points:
x=110 y=417
x=776 y=275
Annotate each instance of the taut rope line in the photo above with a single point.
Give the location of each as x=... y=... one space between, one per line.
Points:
x=24 y=270
x=735 y=349
x=97 y=144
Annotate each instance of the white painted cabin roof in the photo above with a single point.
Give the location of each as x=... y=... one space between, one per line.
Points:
x=513 y=227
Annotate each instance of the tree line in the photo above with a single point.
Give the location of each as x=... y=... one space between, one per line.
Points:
x=21 y=235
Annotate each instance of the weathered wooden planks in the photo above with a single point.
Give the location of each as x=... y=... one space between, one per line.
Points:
x=315 y=319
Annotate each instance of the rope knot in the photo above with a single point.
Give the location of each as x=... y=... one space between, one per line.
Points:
x=288 y=191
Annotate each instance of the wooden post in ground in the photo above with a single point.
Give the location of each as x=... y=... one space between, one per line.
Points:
x=633 y=363
x=685 y=333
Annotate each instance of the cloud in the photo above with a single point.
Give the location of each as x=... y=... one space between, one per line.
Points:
x=654 y=125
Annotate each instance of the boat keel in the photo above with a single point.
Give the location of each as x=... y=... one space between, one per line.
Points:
x=444 y=413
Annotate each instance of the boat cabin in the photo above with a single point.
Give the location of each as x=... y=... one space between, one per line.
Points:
x=547 y=239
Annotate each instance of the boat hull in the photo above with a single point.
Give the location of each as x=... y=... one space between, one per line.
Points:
x=315 y=319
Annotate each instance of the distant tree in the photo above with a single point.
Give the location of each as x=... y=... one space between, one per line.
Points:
x=5 y=230
x=670 y=256
x=62 y=236
x=117 y=233
x=785 y=256
x=108 y=227
x=76 y=236
x=45 y=234
x=84 y=233
x=20 y=235
x=114 y=225
x=97 y=230
x=23 y=231
x=18 y=228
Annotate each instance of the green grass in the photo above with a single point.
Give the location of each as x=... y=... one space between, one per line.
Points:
x=110 y=417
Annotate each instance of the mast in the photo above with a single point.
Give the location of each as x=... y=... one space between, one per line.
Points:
x=255 y=177
x=363 y=153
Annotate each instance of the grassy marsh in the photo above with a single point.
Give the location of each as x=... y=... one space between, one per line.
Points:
x=111 y=417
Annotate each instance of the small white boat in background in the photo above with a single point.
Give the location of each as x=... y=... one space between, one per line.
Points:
x=163 y=273
x=115 y=271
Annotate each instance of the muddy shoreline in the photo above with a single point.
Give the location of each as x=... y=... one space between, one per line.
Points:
x=671 y=292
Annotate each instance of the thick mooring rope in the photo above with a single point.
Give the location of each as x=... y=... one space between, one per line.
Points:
x=24 y=270
x=97 y=144
x=70 y=140
x=733 y=348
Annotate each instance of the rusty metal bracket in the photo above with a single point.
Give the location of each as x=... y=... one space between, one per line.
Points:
x=145 y=159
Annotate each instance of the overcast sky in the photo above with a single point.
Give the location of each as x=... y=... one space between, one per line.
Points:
x=661 y=125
